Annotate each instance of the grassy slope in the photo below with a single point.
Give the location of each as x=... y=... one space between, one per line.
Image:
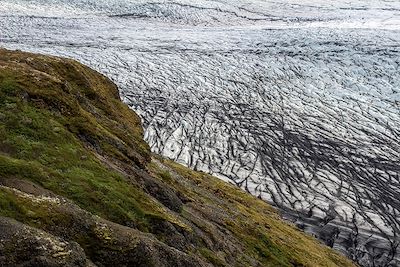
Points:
x=64 y=133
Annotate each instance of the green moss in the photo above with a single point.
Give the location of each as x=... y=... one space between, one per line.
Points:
x=10 y=208
x=31 y=211
x=165 y=175
x=41 y=140
x=212 y=257
x=270 y=252
x=8 y=86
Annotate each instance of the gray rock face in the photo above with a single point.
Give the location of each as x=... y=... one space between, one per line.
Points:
x=296 y=103
x=22 y=245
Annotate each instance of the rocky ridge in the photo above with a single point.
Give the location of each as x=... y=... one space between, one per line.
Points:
x=79 y=186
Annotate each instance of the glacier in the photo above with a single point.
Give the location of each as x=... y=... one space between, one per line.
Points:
x=299 y=104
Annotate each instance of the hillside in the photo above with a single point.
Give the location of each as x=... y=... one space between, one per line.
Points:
x=79 y=186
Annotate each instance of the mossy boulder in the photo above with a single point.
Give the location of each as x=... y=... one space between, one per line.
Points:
x=27 y=246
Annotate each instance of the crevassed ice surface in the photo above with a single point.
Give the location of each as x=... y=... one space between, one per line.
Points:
x=297 y=102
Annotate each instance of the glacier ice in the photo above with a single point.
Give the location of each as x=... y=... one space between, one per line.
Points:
x=297 y=103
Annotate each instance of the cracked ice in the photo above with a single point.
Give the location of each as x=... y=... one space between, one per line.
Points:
x=297 y=103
